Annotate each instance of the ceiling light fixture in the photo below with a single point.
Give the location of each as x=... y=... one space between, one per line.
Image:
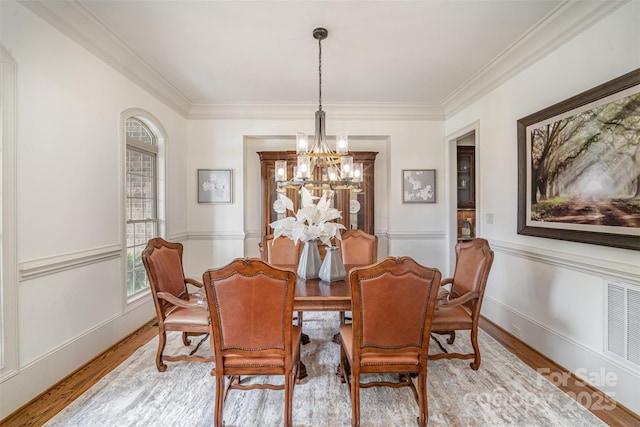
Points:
x=318 y=166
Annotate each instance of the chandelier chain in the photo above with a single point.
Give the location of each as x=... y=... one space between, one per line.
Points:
x=320 y=73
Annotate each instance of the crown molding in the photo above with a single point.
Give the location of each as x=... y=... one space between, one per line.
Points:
x=562 y=24
x=559 y=26
x=75 y=21
x=381 y=111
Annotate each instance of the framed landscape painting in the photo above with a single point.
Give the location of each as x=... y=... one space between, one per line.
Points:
x=419 y=186
x=579 y=167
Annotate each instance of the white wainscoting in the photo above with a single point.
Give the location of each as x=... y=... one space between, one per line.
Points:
x=589 y=362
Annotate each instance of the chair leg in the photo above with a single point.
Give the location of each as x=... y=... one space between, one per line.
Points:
x=476 y=349
x=288 y=399
x=219 y=401
x=422 y=399
x=344 y=369
x=162 y=340
x=185 y=339
x=305 y=338
x=452 y=337
x=355 y=399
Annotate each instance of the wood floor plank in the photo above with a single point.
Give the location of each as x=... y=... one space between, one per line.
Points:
x=605 y=408
x=48 y=404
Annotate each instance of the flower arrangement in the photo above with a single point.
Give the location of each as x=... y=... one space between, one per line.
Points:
x=312 y=221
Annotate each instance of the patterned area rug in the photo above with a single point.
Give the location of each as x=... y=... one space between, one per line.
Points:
x=503 y=392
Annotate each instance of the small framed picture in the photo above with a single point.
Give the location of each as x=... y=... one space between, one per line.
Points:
x=215 y=185
x=419 y=186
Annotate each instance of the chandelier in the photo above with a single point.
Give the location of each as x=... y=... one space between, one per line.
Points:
x=319 y=167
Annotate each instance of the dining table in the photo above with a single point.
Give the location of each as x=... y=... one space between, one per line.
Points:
x=320 y=295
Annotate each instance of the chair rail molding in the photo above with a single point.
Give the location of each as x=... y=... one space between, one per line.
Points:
x=31 y=269
x=585 y=264
x=416 y=235
x=178 y=237
x=215 y=235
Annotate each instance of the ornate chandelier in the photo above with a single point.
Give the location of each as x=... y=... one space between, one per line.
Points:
x=319 y=167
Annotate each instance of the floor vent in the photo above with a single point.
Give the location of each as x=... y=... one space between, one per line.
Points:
x=623 y=321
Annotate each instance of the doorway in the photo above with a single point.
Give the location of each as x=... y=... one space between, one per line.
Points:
x=463 y=200
x=465 y=187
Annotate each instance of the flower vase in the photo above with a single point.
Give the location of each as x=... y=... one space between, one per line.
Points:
x=332 y=268
x=309 y=263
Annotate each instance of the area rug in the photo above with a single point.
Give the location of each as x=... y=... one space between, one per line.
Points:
x=503 y=392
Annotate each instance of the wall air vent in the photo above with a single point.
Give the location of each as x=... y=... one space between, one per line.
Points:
x=623 y=321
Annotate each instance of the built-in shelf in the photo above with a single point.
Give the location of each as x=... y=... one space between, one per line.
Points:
x=466 y=177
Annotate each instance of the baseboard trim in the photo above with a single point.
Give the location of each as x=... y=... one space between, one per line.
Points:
x=553 y=370
x=564 y=351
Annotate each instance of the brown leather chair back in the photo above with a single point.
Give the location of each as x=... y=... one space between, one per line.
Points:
x=174 y=308
x=280 y=251
x=249 y=298
x=358 y=247
x=459 y=308
x=163 y=263
x=251 y=306
x=393 y=303
x=473 y=263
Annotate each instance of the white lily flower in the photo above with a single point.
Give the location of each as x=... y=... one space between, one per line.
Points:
x=312 y=221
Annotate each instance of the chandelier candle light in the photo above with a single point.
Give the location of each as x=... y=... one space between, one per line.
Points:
x=322 y=169
x=319 y=167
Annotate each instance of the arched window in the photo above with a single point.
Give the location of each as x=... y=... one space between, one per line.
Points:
x=141 y=199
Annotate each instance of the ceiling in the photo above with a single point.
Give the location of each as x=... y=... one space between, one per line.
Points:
x=198 y=53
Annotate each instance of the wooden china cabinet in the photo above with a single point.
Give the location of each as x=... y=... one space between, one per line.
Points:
x=357 y=208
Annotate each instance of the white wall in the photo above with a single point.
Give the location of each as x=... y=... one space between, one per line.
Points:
x=220 y=233
x=70 y=300
x=69 y=200
x=553 y=290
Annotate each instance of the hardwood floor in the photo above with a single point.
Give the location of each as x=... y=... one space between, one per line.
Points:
x=44 y=407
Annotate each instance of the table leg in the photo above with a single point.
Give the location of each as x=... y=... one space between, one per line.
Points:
x=302 y=370
x=304 y=339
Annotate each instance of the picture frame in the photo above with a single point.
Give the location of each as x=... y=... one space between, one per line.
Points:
x=215 y=186
x=577 y=178
x=418 y=186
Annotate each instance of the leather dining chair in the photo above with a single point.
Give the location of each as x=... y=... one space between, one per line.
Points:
x=176 y=309
x=459 y=307
x=252 y=331
x=357 y=248
x=392 y=304
x=280 y=251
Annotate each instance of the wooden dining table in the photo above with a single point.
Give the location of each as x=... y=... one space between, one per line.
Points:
x=320 y=295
